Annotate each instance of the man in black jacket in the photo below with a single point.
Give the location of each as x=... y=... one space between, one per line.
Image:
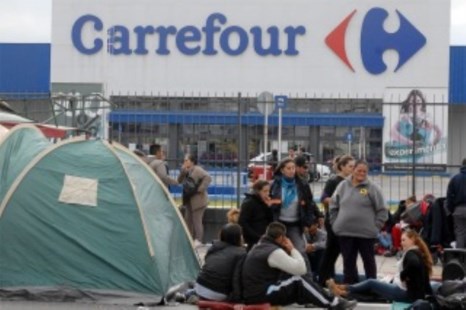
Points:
x=456 y=204
x=275 y=272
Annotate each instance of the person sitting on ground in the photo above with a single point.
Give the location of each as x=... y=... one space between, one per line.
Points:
x=255 y=213
x=409 y=284
x=215 y=280
x=233 y=215
x=384 y=245
x=316 y=239
x=399 y=224
x=275 y=272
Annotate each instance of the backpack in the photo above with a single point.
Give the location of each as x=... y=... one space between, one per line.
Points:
x=452 y=294
x=190 y=187
x=413 y=214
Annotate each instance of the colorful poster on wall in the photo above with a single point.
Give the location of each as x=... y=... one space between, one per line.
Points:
x=415 y=129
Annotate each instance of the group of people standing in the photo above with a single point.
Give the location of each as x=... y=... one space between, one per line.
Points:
x=274 y=266
x=194 y=181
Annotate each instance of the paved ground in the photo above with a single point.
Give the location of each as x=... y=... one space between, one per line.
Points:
x=385 y=265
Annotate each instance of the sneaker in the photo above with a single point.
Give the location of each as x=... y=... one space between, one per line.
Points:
x=197 y=244
x=344 y=304
x=180 y=297
x=192 y=299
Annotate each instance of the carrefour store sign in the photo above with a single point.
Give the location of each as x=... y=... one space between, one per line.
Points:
x=333 y=48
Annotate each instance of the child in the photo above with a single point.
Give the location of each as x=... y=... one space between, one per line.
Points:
x=232 y=216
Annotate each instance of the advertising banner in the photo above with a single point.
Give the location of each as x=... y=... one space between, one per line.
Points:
x=415 y=129
x=325 y=48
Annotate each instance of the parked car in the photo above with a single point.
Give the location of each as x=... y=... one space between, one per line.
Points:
x=256 y=167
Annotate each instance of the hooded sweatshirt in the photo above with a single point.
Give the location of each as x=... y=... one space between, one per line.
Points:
x=357 y=211
x=456 y=191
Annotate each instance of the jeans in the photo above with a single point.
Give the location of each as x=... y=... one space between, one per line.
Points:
x=385 y=240
x=315 y=259
x=295 y=234
x=385 y=290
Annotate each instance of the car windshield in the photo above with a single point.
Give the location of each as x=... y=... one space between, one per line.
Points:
x=268 y=157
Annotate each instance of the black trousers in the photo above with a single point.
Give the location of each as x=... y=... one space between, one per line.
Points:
x=301 y=290
x=330 y=256
x=350 y=247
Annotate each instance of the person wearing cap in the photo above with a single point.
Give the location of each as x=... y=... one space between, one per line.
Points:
x=302 y=171
x=302 y=167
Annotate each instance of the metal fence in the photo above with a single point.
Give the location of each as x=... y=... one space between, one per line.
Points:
x=226 y=132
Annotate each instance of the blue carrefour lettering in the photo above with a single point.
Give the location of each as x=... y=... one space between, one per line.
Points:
x=185 y=35
x=163 y=39
x=242 y=40
x=273 y=48
x=209 y=30
x=292 y=33
x=212 y=38
x=76 y=34
x=141 y=33
x=118 y=41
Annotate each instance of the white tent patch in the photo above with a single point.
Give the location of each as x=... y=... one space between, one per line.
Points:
x=79 y=190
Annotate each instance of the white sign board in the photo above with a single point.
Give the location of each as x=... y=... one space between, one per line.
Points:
x=329 y=48
x=415 y=128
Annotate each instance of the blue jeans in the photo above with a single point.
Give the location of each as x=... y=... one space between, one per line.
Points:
x=385 y=240
x=389 y=291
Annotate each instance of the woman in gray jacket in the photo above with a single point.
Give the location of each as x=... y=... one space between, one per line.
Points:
x=357 y=213
x=196 y=200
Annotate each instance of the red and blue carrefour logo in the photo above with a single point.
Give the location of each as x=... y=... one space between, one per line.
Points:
x=406 y=41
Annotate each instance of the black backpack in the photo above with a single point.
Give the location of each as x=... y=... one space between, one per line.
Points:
x=452 y=294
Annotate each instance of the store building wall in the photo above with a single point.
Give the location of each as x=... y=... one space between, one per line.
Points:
x=457 y=130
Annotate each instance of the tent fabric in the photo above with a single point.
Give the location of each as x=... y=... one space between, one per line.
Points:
x=17 y=150
x=132 y=241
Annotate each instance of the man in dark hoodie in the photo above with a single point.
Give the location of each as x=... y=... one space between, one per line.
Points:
x=456 y=204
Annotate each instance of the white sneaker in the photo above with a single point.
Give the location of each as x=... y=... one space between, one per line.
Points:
x=197 y=244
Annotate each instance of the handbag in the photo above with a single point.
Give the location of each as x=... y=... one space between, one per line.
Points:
x=190 y=187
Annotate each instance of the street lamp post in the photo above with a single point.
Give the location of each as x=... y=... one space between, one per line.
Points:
x=265 y=103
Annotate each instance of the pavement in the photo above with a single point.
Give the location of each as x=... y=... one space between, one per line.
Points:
x=385 y=266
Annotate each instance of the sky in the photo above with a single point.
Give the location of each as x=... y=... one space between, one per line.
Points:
x=29 y=21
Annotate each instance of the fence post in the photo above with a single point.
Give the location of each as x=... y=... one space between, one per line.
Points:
x=238 y=156
x=414 y=151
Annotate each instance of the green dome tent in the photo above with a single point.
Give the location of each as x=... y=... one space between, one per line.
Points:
x=87 y=218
